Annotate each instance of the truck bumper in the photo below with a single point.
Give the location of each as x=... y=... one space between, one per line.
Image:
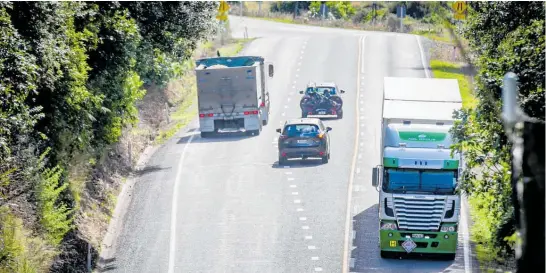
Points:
x=436 y=243
x=213 y=124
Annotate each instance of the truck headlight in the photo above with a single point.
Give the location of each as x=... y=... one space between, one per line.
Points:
x=448 y=229
x=388 y=226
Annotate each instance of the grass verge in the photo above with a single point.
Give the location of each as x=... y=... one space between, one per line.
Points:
x=449 y=70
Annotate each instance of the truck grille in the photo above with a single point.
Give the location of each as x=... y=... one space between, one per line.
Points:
x=419 y=214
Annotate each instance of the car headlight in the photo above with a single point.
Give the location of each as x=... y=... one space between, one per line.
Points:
x=388 y=226
x=448 y=229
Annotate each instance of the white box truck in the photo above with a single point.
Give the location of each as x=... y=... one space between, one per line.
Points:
x=233 y=94
x=418 y=205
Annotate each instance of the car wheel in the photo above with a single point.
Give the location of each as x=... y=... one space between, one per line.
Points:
x=282 y=161
x=303 y=114
x=340 y=115
x=205 y=134
x=386 y=254
x=325 y=159
x=264 y=122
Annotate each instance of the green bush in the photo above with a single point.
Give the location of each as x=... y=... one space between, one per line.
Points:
x=507 y=36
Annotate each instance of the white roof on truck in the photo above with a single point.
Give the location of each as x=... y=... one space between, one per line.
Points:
x=420 y=110
x=421 y=89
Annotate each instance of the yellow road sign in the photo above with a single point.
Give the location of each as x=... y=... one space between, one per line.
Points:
x=460 y=16
x=392 y=243
x=224 y=7
x=222 y=17
x=459 y=7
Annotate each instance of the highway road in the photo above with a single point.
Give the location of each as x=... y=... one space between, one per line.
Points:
x=224 y=204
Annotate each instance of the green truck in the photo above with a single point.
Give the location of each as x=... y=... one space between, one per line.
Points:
x=418 y=205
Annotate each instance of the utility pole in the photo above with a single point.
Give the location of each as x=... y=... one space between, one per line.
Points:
x=259 y=7
x=241 y=6
x=323 y=7
x=374 y=10
x=295 y=9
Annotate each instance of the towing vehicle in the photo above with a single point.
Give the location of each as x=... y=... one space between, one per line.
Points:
x=303 y=138
x=233 y=94
x=418 y=205
x=322 y=99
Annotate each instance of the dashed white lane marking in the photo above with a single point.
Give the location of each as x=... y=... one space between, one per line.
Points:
x=295 y=193
x=303 y=218
x=361 y=95
x=301 y=52
x=314 y=259
x=297 y=201
x=286 y=106
x=359 y=156
x=357 y=188
x=299 y=63
x=297 y=69
x=290 y=178
x=318 y=269
x=301 y=57
x=288 y=99
x=311 y=247
x=293 y=86
x=297 y=76
x=357 y=170
x=294 y=82
x=308 y=237
x=292 y=186
x=361 y=102
x=286 y=172
x=283 y=114
x=305 y=227
x=299 y=209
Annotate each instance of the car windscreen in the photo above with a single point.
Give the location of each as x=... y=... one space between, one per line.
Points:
x=301 y=130
x=320 y=90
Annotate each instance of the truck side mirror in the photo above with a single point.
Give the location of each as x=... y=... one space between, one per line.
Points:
x=301 y=91
x=375 y=176
x=271 y=71
x=342 y=91
x=279 y=130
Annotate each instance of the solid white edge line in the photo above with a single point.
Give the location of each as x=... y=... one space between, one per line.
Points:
x=466 y=240
x=348 y=214
x=174 y=207
x=425 y=67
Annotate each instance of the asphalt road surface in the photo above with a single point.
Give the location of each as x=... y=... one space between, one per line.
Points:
x=224 y=205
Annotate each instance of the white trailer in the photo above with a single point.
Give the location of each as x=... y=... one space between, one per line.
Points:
x=233 y=94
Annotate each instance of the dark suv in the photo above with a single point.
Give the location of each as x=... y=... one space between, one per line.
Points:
x=303 y=138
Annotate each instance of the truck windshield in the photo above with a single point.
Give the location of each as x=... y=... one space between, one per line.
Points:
x=429 y=181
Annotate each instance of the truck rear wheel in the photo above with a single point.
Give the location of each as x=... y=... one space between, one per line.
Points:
x=450 y=257
x=205 y=134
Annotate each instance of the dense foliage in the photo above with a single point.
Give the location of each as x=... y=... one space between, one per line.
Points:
x=507 y=36
x=70 y=74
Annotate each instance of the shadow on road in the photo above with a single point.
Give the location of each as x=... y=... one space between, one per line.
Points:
x=366 y=251
x=105 y=265
x=220 y=137
x=298 y=163
x=149 y=169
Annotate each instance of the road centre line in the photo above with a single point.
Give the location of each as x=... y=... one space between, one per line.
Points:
x=308 y=237
x=174 y=207
x=362 y=43
x=314 y=258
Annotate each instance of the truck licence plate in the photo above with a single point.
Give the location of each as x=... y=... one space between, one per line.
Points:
x=228 y=118
x=302 y=141
x=418 y=236
x=322 y=112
